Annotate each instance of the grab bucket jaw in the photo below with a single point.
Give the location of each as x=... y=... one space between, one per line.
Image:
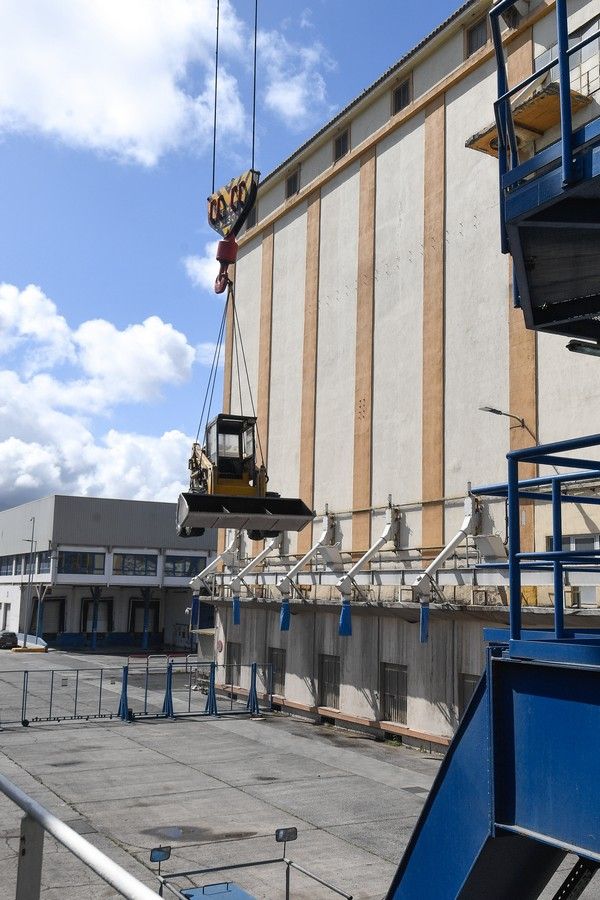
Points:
x=264 y=514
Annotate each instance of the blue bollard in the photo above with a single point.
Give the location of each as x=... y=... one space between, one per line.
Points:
x=123 y=703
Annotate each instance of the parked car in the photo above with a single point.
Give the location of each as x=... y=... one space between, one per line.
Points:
x=8 y=640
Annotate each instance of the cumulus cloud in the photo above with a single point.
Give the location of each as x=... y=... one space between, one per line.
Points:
x=202 y=270
x=132 y=78
x=46 y=439
x=296 y=89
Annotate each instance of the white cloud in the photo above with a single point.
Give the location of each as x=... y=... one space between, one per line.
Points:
x=296 y=89
x=202 y=270
x=46 y=439
x=132 y=78
x=112 y=366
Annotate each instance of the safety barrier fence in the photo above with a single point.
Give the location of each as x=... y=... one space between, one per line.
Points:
x=35 y=824
x=161 y=689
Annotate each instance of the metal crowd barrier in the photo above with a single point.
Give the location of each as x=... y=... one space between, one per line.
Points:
x=153 y=688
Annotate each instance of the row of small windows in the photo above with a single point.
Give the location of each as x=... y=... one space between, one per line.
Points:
x=476 y=36
x=88 y=563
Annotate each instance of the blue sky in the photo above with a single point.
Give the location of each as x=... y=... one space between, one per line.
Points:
x=105 y=155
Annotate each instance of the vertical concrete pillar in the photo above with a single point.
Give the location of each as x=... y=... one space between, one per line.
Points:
x=309 y=363
x=434 y=240
x=96 y=594
x=363 y=378
x=146 y=632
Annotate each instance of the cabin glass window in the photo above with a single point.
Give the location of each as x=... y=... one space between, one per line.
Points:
x=248 y=443
x=211 y=444
x=229 y=445
x=477 y=36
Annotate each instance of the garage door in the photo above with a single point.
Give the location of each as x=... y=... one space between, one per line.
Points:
x=51 y=616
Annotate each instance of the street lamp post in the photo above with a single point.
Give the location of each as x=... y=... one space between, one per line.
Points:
x=29 y=580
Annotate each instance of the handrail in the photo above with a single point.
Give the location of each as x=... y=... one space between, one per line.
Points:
x=110 y=872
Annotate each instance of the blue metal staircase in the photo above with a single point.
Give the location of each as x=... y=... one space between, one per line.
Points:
x=517 y=790
x=550 y=214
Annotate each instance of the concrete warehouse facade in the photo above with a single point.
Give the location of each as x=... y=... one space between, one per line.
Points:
x=103 y=573
x=376 y=310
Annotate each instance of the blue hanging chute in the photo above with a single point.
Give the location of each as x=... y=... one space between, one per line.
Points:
x=424 y=623
x=284 y=616
x=345 y=627
x=236 y=610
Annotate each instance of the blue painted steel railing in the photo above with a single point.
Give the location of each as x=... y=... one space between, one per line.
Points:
x=562 y=153
x=556 y=489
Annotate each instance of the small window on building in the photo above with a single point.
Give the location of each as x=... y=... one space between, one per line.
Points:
x=75 y=563
x=141 y=564
x=43 y=562
x=476 y=37
x=402 y=96
x=277 y=663
x=466 y=688
x=252 y=217
x=292 y=184
x=341 y=144
x=184 y=566
x=329 y=681
x=6 y=565
x=393 y=692
x=233 y=662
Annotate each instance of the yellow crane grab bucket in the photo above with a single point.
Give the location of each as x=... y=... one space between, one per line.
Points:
x=228 y=489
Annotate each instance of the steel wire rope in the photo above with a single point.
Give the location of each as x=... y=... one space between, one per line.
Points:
x=213 y=370
x=254 y=82
x=214 y=154
x=236 y=324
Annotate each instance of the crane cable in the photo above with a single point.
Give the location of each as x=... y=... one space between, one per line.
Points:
x=237 y=340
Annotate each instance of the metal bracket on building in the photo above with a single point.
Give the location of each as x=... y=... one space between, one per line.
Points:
x=238 y=580
x=326 y=547
x=229 y=558
x=391 y=532
x=425 y=584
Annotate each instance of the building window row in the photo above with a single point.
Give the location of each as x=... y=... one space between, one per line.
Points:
x=77 y=562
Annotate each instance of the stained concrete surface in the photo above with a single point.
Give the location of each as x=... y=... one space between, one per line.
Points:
x=215 y=790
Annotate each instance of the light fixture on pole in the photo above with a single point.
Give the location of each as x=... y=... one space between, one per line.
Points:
x=499 y=412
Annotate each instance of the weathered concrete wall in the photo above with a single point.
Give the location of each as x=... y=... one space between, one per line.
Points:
x=287 y=334
x=247 y=292
x=476 y=295
x=334 y=429
x=433 y=669
x=398 y=331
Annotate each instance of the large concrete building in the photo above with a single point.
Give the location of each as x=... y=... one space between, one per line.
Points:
x=377 y=315
x=100 y=573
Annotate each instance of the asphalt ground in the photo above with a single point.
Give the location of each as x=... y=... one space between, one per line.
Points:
x=215 y=790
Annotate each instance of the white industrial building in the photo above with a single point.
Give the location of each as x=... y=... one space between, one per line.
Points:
x=100 y=573
x=378 y=323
